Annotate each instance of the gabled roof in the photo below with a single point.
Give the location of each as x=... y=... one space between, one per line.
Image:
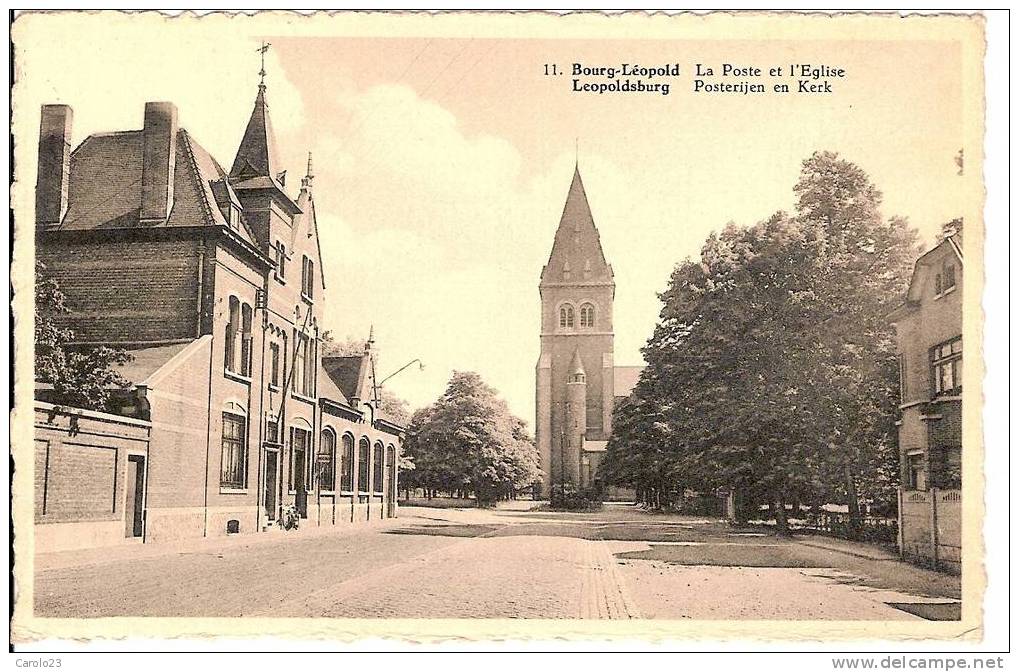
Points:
x=328 y=389
x=306 y=224
x=104 y=187
x=921 y=271
x=351 y=374
x=577 y=255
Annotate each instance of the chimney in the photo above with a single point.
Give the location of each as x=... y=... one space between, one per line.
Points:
x=54 y=165
x=159 y=151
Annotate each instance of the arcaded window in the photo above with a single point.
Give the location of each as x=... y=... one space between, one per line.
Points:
x=391 y=469
x=347 y=464
x=566 y=316
x=327 y=455
x=378 y=455
x=587 y=315
x=363 y=462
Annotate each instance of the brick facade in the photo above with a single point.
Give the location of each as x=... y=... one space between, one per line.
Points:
x=218 y=295
x=575 y=378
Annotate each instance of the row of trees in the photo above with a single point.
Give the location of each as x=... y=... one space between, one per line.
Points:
x=468 y=442
x=772 y=370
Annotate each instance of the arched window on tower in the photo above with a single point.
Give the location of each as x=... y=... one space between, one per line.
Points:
x=566 y=316
x=587 y=315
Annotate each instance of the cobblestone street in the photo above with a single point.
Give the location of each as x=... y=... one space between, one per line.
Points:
x=448 y=563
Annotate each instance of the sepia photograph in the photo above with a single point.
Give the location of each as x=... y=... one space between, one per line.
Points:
x=498 y=326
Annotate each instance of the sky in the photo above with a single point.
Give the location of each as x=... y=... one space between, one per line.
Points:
x=442 y=165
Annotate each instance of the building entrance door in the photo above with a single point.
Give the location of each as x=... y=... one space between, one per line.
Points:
x=134 y=511
x=300 y=445
x=271 y=483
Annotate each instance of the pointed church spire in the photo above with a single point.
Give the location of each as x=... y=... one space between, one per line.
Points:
x=577 y=242
x=257 y=155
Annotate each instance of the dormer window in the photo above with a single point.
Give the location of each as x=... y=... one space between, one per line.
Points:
x=566 y=270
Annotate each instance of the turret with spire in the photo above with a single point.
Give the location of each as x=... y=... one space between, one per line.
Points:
x=256 y=174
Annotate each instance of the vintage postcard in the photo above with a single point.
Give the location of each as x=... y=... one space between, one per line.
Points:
x=498 y=326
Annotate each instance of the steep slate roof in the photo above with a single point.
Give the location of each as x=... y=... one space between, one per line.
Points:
x=104 y=189
x=577 y=248
x=257 y=155
x=256 y=165
x=350 y=374
x=328 y=389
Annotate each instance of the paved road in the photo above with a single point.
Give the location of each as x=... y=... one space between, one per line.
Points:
x=617 y=563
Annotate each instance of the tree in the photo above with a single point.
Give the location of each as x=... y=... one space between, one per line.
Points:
x=469 y=441
x=772 y=367
x=81 y=377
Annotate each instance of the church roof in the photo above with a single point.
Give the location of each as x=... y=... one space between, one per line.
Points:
x=577 y=255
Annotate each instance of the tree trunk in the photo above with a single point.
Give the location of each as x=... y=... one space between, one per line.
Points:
x=855 y=520
x=781 y=519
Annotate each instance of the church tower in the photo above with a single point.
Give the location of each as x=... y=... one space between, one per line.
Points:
x=575 y=374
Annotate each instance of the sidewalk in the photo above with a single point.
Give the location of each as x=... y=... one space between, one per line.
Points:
x=859 y=549
x=134 y=549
